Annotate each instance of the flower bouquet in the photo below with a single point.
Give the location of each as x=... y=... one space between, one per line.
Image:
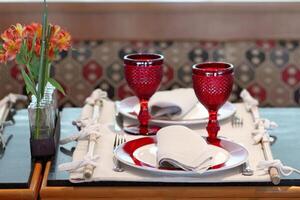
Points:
x=34 y=47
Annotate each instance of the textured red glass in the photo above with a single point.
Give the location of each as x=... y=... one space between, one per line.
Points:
x=212 y=84
x=143 y=73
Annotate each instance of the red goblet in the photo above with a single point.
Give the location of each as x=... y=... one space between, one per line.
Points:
x=212 y=84
x=143 y=73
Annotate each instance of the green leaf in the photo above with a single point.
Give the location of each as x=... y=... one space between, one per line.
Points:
x=30 y=87
x=21 y=56
x=34 y=66
x=57 y=85
x=20 y=59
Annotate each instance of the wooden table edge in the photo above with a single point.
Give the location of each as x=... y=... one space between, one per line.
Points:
x=30 y=193
x=94 y=192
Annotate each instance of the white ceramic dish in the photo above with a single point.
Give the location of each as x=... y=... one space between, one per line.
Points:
x=198 y=115
x=141 y=154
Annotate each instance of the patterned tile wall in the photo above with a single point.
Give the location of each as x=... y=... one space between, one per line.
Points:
x=270 y=70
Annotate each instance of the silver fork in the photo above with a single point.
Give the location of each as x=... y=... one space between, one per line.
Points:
x=119 y=139
x=237 y=121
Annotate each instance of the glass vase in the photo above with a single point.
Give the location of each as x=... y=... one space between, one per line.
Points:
x=43 y=122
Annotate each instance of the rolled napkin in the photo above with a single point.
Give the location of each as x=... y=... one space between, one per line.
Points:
x=181 y=147
x=173 y=104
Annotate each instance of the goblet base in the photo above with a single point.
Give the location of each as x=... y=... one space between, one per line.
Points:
x=214 y=141
x=137 y=130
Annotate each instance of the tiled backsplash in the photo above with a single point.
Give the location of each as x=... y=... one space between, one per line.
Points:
x=270 y=70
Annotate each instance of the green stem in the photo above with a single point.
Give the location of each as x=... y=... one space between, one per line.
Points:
x=37 y=122
x=42 y=70
x=29 y=73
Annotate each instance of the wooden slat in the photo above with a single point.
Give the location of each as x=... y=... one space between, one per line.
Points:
x=165 y=192
x=30 y=193
x=164 y=21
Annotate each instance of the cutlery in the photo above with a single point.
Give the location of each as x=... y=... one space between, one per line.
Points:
x=237 y=121
x=246 y=169
x=119 y=139
x=68 y=152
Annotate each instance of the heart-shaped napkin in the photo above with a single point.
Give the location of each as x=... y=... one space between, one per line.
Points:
x=181 y=147
x=173 y=104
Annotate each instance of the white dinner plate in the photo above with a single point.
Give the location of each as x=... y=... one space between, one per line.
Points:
x=141 y=154
x=129 y=107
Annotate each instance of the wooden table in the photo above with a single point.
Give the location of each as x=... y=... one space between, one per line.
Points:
x=20 y=177
x=164 y=192
x=56 y=185
x=30 y=193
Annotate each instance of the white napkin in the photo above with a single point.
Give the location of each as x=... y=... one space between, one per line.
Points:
x=181 y=147
x=173 y=104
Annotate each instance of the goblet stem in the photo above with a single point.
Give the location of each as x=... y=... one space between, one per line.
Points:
x=144 y=116
x=213 y=126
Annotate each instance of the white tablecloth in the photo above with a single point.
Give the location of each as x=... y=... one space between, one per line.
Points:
x=104 y=172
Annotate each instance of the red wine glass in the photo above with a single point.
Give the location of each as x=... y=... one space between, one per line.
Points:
x=143 y=73
x=212 y=82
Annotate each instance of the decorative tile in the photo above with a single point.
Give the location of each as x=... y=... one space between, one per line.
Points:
x=291 y=75
x=115 y=72
x=289 y=45
x=279 y=57
x=168 y=75
x=198 y=55
x=92 y=71
x=106 y=54
x=244 y=73
x=184 y=74
x=67 y=71
x=255 y=56
x=79 y=92
x=266 y=45
x=218 y=55
x=124 y=91
x=163 y=44
x=126 y=50
x=81 y=52
x=258 y=92
x=279 y=95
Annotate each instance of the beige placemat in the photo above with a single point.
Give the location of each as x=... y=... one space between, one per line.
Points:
x=104 y=172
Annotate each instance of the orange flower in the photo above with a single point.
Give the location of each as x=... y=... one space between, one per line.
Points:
x=2 y=56
x=12 y=38
x=19 y=29
x=12 y=48
x=29 y=33
x=13 y=33
x=60 y=39
x=32 y=29
x=64 y=41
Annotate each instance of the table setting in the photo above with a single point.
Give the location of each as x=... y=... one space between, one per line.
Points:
x=161 y=136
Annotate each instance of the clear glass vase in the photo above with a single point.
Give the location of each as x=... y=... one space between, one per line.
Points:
x=41 y=120
x=43 y=124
